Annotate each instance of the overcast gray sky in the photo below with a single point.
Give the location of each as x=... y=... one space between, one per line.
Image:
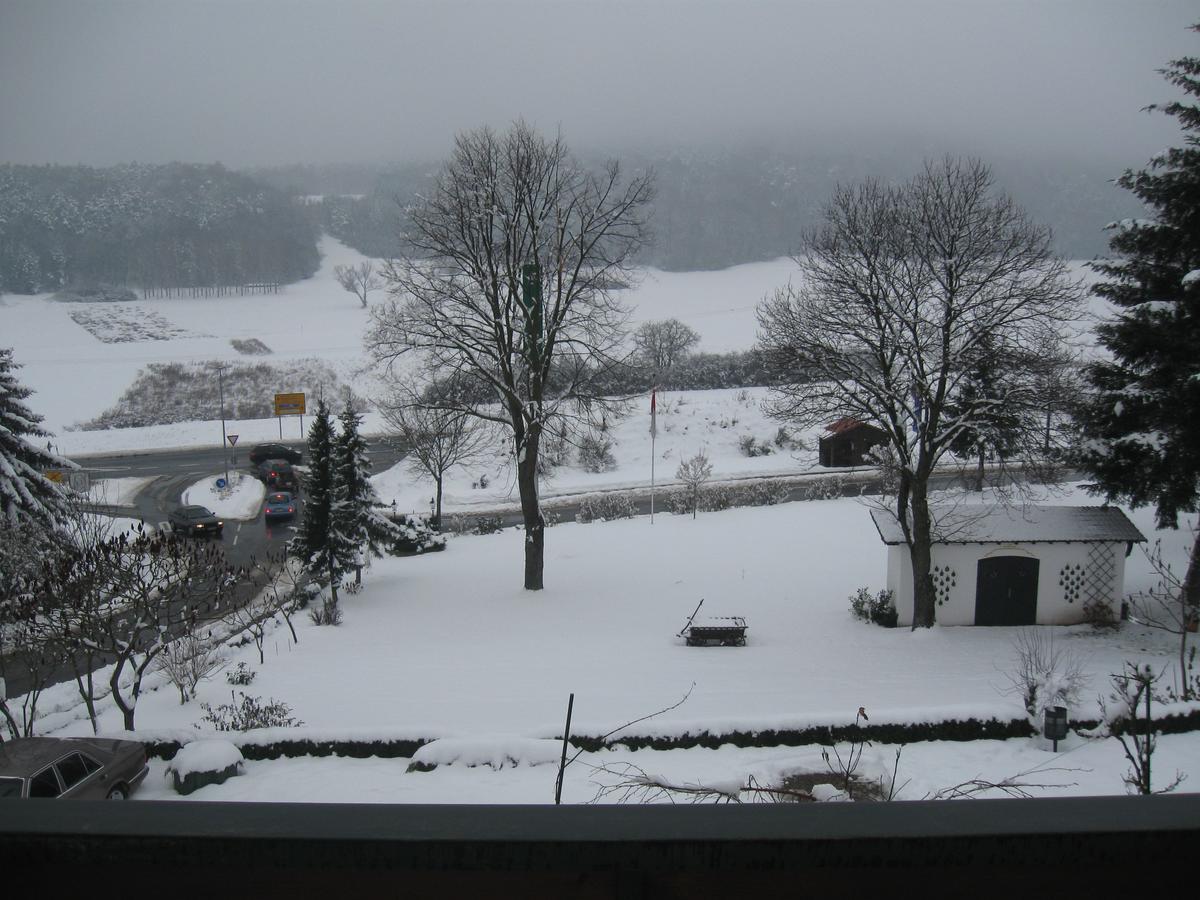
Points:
x=253 y=82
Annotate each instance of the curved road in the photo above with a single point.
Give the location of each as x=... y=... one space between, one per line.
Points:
x=174 y=471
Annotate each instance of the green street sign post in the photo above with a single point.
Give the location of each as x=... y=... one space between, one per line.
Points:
x=531 y=300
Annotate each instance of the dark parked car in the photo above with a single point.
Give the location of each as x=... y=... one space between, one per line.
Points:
x=198 y=521
x=281 y=505
x=278 y=474
x=71 y=768
x=262 y=452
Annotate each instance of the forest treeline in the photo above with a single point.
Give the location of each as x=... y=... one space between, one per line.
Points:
x=148 y=226
x=716 y=209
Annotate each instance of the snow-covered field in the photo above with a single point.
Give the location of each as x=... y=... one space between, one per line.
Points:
x=76 y=374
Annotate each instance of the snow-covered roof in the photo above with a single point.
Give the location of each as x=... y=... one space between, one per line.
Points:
x=847 y=423
x=1012 y=525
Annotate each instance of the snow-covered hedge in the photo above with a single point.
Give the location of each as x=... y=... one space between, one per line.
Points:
x=495 y=751
x=204 y=762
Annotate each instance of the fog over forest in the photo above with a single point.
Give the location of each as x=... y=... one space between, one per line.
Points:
x=750 y=112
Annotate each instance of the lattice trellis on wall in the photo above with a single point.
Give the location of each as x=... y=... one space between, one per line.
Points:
x=1100 y=573
x=944 y=581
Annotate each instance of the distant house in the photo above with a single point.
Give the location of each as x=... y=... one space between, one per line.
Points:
x=847 y=443
x=997 y=566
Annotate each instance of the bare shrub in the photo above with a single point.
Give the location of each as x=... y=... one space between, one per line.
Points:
x=248 y=713
x=1043 y=674
x=188 y=660
x=694 y=473
x=328 y=613
x=1129 y=719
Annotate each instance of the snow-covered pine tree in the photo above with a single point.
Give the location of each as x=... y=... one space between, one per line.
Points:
x=27 y=496
x=312 y=536
x=1141 y=426
x=357 y=527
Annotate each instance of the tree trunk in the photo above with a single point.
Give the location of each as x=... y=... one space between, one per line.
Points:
x=1190 y=603
x=920 y=550
x=535 y=525
x=114 y=683
x=979 y=472
x=437 y=517
x=332 y=578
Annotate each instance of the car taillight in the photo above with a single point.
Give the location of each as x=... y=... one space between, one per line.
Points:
x=291 y=509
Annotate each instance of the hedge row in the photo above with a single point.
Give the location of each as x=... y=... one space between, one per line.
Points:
x=826 y=735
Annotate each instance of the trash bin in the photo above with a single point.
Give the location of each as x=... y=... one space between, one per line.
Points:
x=1054 y=724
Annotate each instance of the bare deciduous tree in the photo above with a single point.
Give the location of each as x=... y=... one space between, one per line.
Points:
x=663 y=344
x=694 y=473
x=900 y=289
x=514 y=295
x=190 y=659
x=436 y=437
x=1130 y=721
x=1166 y=607
x=144 y=592
x=359 y=280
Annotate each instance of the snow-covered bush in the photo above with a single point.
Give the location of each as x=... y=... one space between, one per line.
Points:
x=460 y=524
x=326 y=614
x=879 y=609
x=497 y=752
x=825 y=488
x=416 y=536
x=606 y=507
x=595 y=453
x=248 y=713
x=240 y=674
x=751 y=446
x=200 y=763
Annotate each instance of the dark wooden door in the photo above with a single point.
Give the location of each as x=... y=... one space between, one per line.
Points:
x=1006 y=591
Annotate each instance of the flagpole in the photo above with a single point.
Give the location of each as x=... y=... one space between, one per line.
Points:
x=653 y=435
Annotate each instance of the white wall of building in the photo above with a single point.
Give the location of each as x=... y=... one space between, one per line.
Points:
x=1068 y=573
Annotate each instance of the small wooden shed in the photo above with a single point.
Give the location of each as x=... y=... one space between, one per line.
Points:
x=1016 y=566
x=847 y=442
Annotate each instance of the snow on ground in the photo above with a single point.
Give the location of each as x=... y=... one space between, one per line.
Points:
x=1080 y=768
x=449 y=645
x=688 y=422
x=240 y=498
x=117 y=491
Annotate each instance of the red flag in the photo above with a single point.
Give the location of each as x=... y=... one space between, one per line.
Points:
x=653 y=413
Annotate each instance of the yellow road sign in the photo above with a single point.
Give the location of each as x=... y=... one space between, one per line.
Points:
x=289 y=404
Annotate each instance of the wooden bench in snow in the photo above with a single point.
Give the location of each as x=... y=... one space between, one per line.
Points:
x=719 y=631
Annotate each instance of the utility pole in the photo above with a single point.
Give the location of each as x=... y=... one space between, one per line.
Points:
x=224 y=442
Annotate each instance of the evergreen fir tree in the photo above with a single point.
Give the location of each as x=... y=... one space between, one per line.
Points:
x=357 y=527
x=312 y=536
x=27 y=496
x=988 y=431
x=1141 y=426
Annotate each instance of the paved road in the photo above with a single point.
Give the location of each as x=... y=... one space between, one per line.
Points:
x=175 y=470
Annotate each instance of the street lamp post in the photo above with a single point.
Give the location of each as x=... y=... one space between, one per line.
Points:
x=224 y=441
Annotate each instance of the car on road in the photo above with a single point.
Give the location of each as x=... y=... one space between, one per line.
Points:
x=278 y=475
x=71 y=768
x=262 y=452
x=280 y=505
x=198 y=521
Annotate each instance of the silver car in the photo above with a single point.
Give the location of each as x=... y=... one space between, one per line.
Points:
x=71 y=768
